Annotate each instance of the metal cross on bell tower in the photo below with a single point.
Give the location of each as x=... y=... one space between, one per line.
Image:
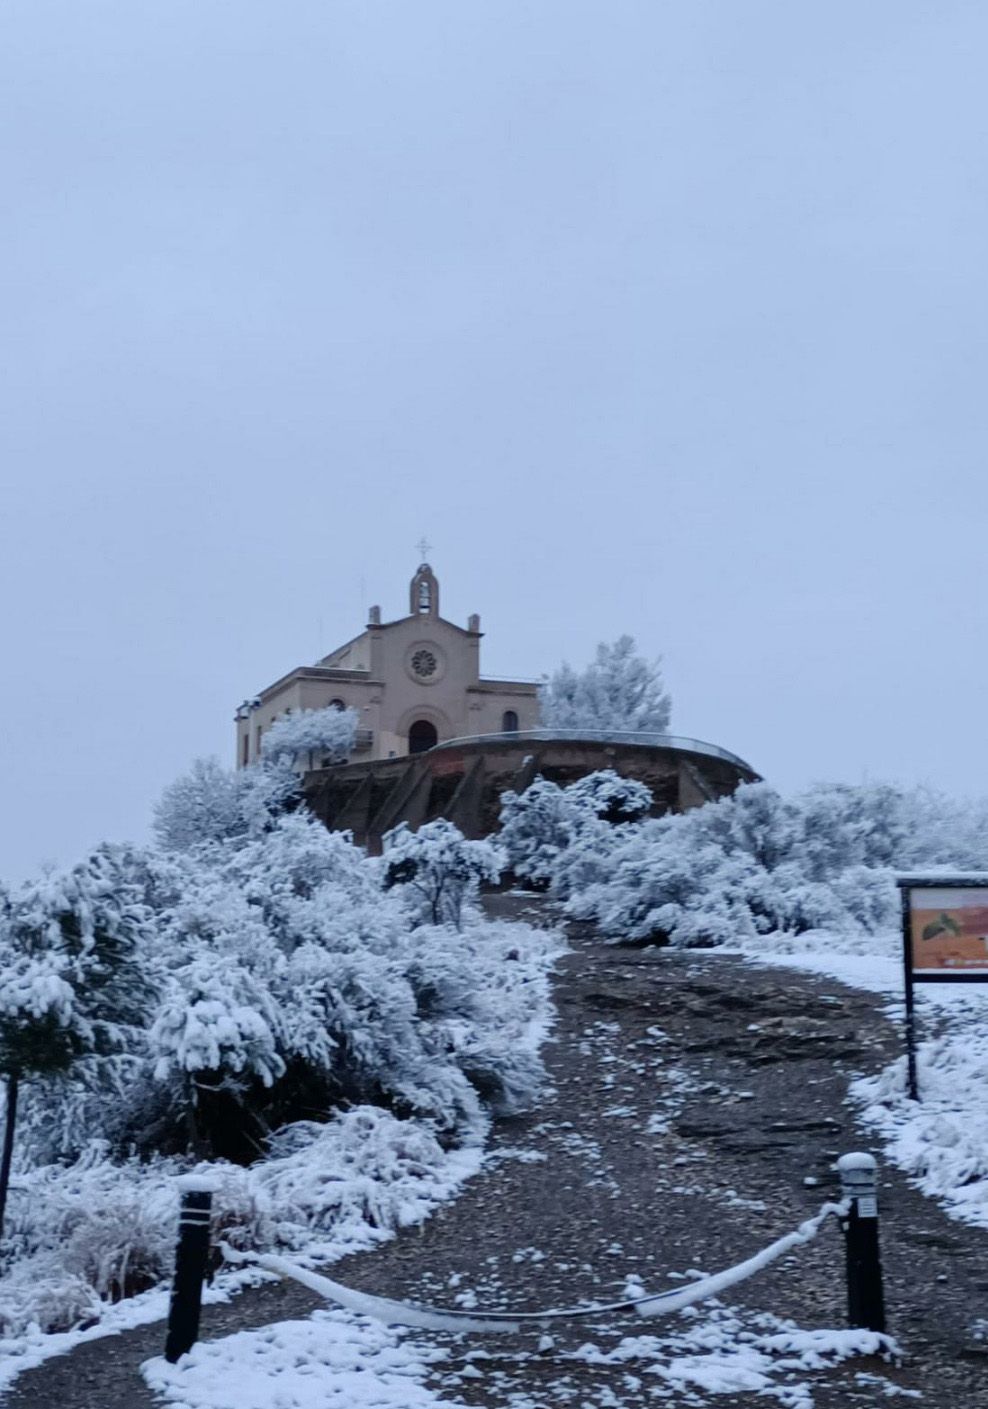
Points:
x=425 y=548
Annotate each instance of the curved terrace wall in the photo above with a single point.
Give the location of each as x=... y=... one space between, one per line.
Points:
x=463 y=779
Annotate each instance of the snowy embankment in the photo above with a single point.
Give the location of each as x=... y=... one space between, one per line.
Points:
x=941 y=1141
x=326 y=1190
x=334 y=1189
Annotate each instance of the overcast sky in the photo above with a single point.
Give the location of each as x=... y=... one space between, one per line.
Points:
x=653 y=317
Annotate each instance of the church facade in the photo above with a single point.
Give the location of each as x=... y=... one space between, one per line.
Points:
x=414 y=682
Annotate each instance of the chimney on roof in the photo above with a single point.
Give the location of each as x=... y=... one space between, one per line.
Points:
x=473 y=622
x=374 y=616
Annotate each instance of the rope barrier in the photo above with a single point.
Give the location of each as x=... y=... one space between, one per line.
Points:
x=437 y=1318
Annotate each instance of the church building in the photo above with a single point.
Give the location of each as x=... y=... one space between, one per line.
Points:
x=414 y=682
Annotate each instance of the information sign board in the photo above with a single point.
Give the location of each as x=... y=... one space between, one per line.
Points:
x=944 y=939
x=945 y=929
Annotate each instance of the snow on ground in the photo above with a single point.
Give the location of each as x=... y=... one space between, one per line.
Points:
x=722 y=1350
x=941 y=1141
x=23 y=1352
x=334 y=1360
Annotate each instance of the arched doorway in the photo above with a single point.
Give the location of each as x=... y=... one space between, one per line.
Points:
x=421 y=736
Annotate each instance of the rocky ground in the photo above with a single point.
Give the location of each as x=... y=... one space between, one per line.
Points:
x=697 y=1107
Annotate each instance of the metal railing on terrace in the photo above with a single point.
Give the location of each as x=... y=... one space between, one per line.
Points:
x=600 y=736
x=486 y=679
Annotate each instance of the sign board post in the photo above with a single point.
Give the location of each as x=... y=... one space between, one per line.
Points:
x=944 y=940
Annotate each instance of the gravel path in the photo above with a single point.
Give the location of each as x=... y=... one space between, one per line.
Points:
x=694 y=1099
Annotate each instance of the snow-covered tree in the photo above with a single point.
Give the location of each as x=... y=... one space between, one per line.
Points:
x=216 y=1033
x=309 y=735
x=439 y=868
x=619 y=690
x=213 y=805
x=73 y=982
x=203 y=805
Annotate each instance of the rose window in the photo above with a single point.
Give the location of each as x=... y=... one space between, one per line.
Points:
x=424 y=664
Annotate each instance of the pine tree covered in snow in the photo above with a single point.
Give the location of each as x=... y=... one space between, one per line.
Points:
x=619 y=690
x=74 y=987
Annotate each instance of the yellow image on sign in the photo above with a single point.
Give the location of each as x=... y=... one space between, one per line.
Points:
x=949 y=929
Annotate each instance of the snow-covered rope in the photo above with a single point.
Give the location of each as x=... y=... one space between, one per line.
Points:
x=436 y=1318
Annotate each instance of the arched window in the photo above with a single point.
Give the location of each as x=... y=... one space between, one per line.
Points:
x=509 y=722
x=421 y=736
x=425 y=594
x=336 y=704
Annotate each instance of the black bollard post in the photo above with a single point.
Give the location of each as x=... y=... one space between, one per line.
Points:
x=865 y=1297
x=191 y=1253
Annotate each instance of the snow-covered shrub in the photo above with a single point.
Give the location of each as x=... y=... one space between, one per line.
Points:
x=227 y=997
x=84 y=1234
x=295 y=972
x=216 y=1019
x=619 y=690
x=540 y=825
x=366 y=1167
x=483 y=999
x=748 y=866
x=311 y=734
x=548 y=825
x=438 y=869
x=613 y=798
